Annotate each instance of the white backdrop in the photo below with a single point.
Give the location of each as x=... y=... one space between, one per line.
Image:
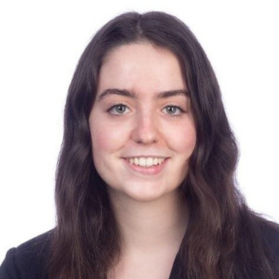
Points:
x=41 y=42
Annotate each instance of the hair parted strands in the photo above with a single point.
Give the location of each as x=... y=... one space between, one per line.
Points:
x=223 y=236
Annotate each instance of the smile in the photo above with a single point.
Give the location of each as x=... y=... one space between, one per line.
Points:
x=146 y=161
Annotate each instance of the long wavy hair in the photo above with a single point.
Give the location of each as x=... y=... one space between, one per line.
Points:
x=223 y=237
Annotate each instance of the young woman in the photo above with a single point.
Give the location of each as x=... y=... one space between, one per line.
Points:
x=145 y=183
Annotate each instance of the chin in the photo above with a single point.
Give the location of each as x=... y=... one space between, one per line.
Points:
x=142 y=193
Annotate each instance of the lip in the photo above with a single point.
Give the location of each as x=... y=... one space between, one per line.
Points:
x=153 y=170
x=145 y=156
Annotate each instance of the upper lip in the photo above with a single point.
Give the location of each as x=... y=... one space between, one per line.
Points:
x=145 y=156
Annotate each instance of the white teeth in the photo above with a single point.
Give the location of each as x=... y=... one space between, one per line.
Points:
x=142 y=162
x=149 y=162
x=146 y=162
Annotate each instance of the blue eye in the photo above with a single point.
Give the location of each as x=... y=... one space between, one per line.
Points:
x=173 y=110
x=118 y=109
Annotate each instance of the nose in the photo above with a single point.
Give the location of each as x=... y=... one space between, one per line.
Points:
x=145 y=129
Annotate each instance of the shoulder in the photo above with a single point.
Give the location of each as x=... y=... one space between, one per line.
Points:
x=29 y=260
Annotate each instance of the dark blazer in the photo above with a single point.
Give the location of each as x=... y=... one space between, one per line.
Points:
x=30 y=259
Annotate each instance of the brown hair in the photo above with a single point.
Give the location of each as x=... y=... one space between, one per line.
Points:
x=223 y=236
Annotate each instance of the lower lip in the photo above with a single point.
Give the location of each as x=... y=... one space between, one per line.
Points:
x=147 y=170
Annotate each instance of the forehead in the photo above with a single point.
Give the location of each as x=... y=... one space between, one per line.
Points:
x=140 y=67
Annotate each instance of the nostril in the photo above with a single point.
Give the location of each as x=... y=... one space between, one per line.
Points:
x=145 y=135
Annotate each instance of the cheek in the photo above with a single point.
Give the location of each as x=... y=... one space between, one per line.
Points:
x=105 y=137
x=183 y=140
x=101 y=138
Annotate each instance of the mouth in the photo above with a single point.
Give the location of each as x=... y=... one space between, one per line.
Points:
x=146 y=165
x=146 y=162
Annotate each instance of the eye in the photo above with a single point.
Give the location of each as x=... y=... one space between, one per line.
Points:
x=118 y=109
x=173 y=110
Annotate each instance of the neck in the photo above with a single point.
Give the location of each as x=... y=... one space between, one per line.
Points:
x=150 y=225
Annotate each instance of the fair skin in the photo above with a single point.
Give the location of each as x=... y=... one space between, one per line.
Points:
x=143 y=134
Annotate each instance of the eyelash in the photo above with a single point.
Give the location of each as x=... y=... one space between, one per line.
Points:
x=182 y=110
x=114 y=106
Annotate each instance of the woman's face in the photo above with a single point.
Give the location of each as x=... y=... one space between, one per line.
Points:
x=141 y=124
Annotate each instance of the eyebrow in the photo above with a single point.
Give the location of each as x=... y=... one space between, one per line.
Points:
x=170 y=93
x=126 y=93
